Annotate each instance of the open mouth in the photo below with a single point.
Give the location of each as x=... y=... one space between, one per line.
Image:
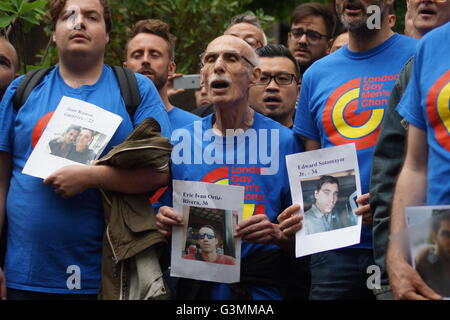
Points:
x=220 y=84
x=427 y=12
x=353 y=8
x=146 y=72
x=272 y=100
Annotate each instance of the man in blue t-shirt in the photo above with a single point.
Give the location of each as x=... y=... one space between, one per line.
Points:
x=237 y=146
x=55 y=228
x=151 y=52
x=342 y=101
x=424 y=177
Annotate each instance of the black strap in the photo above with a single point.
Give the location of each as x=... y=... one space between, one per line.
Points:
x=128 y=88
x=28 y=83
x=126 y=79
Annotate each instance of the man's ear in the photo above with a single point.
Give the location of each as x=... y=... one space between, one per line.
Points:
x=256 y=74
x=172 y=67
x=53 y=36
x=124 y=64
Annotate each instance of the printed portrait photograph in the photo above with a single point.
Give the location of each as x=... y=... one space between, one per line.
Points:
x=329 y=201
x=76 y=143
x=430 y=248
x=209 y=235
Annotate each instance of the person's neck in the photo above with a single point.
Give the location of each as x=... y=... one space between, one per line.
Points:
x=209 y=256
x=165 y=98
x=233 y=116
x=77 y=72
x=285 y=120
x=365 y=39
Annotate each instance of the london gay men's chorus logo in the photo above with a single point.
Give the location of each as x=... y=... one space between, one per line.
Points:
x=354 y=111
x=438 y=109
x=240 y=176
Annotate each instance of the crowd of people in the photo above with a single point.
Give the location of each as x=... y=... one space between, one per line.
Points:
x=385 y=92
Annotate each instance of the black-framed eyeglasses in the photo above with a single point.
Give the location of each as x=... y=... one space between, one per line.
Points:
x=202 y=236
x=281 y=79
x=311 y=35
x=230 y=57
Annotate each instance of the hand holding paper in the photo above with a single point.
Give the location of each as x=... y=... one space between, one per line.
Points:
x=167 y=218
x=406 y=283
x=364 y=209
x=290 y=221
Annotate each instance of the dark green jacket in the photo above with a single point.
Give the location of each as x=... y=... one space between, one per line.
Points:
x=133 y=249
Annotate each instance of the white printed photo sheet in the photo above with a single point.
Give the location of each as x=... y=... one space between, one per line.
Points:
x=205 y=247
x=77 y=133
x=326 y=183
x=428 y=234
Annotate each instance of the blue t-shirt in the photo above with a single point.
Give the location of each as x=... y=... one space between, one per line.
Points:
x=425 y=105
x=343 y=97
x=48 y=236
x=200 y=155
x=180 y=118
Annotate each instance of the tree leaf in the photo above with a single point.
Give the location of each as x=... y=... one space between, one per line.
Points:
x=6 y=21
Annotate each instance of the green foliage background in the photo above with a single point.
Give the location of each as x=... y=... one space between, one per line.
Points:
x=193 y=22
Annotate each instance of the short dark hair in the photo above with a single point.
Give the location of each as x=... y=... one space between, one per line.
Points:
x=158 y=28
x=326 y=179
x=318 y=10
x=73 y=127
x=278 y=50
x=56 y=7
x=250 y=19
x=437 y=217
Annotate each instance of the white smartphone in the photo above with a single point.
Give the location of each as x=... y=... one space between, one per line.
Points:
x=188 y=81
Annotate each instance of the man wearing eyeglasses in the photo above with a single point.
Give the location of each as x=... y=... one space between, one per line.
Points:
x=275 y=93
x=229 y=70
x=343 y=100
x=248 y=28
x=311 y=34
x=208 y=242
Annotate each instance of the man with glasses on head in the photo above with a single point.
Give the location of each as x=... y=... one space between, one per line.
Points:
x=229 y=70
x=207 y=241
x=275 y=93
x=311 y=34
x=248 y=28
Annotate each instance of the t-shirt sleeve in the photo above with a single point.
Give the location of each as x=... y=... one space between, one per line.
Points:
x=7 y=118
x=151 y=106
x=304 y=122
x=410 y=106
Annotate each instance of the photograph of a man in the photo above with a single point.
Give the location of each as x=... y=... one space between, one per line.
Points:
x=61 y=146
x=330 y=208
x=433 y=261
x=208 y=250
x=81 y=152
